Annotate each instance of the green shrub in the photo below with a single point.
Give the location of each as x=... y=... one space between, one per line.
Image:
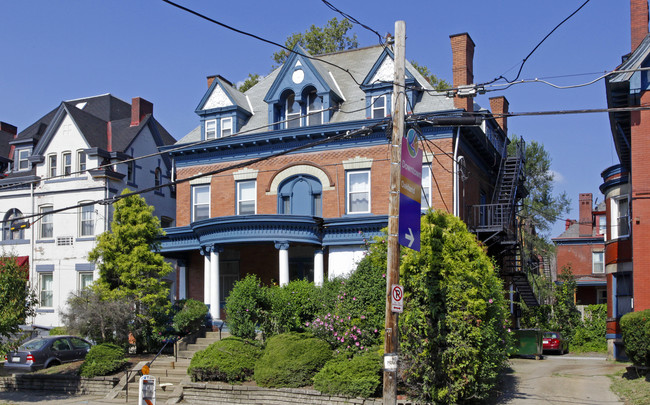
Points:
x=191 y=317
x=289 y=308
x=230 y=359
x=635 y=328
x=103 y=359
x=356 y=377
x=58 y=330
x=244 y=307
x=291 y=360
x=590 y=335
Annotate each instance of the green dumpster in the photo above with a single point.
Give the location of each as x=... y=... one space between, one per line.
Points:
x=528 y=342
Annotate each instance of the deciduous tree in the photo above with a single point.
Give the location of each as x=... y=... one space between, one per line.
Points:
x=17 y=301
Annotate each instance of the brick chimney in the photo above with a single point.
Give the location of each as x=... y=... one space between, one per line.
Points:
x=638 y=21
x=211 y=79
x=585 y=218
x=462 y=50
x=139 y=109
x=8 y=132
x=4 y=127
x=499 y=106
x=568 y=223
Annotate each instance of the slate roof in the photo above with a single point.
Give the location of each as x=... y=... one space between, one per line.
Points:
x=358 y=62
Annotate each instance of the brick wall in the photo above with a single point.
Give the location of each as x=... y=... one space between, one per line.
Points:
x=58 y=383
x=578 y=257
x=639 y=21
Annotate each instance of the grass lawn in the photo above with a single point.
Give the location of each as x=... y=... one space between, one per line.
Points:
x=632 y=387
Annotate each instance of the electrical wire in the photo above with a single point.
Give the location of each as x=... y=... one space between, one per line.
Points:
x=354 y=20
x=268 y=41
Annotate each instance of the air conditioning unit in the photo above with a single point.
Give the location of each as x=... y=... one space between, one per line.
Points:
x=64 y=240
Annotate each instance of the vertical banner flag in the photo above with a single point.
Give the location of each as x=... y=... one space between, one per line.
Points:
x=410 y=192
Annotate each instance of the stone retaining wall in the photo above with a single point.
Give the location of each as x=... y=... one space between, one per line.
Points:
x=58 y=383
x=216 y=393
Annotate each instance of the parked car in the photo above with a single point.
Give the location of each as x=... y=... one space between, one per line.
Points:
x=553 y=341
x=47 y=351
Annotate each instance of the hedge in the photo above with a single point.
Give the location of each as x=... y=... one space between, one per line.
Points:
x=635 y=328
x=356 y=377
x=231 y=359
x=103 y=359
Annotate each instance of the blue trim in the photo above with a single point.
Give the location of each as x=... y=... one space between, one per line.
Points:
x=613 y=336
x=624 y=179
x=612 y=170
x=45 y=241
x=579 y=241
x=48 y=268
x=84 y=266
x=15 y=242
x=45 y=311
x=84 y=239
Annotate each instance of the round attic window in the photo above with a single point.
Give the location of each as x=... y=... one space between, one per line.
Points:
x=298 y=76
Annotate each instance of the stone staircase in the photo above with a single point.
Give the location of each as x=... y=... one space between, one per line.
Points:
x=170 y=371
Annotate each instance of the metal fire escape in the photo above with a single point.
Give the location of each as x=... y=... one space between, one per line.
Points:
x=496 y=225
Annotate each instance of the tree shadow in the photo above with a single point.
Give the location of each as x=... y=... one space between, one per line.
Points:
x=505 y=390
x=635 y=373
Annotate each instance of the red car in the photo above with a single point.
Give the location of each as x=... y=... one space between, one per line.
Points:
x=553 y=341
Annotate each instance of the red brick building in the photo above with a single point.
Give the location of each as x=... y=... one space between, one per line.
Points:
x=626 y=186
x=289 y=179
x=581 y=248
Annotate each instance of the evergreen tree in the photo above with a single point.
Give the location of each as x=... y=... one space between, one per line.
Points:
x=131 y=268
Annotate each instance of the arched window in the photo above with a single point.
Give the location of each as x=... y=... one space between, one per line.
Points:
x=292 y=111
x=12 y=218
x=315 y=108
x=301 y=195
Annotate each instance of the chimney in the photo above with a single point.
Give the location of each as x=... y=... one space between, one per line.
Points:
x=585 y=218
x=4 y=127
x=462 y=50
x=567 y=224
x=499 y=106
x=139 y=109
x=638 y=21
x=211 y=79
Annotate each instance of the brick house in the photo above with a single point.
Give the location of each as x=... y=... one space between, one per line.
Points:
x=581 y=247
x=54 y=164
x=307 y=213
x=626 y=186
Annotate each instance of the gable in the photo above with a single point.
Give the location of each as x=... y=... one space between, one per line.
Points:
x=218 y=98
x=382 y=72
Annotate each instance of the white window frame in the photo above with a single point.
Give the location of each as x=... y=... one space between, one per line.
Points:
x=47 y=221
x=598 y=259
x=602 y=224
x=292 y=120
x=23 y=157
x=210 y=129
x=226 y=130
x=195 y=189
x=43 y=303
x=425 y=204
x=240 y=200
x=374 y=108
x=617 y=219
x=130 y=172
x=80 y=277
x=85 y=219
x=82 y=161
x=348 y=192
x=313 y=114
x=66 y=168
x=51 y=165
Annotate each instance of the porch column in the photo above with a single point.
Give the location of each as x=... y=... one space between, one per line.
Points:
x=205 y=251
x=319 y=272
x=182 y=274
x=283 y=248
x=215 y=299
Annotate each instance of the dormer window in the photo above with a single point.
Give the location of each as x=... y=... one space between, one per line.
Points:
x=292 y=112
x=23 y=163
x=315 y=109
x=211 y=129
x=226 y=126
x=379 y=106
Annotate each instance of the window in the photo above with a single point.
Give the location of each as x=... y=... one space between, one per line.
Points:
x=246 y=192
x=315 y=109
x=301 y=195
x=358 y=190
x=81 y=162
x=46 y=289
x=620 y=226
x=602 y=224
x=85 y=279
x=226 y=126
x=292 y=112
x=47 y=223
x=87 y=220
x=200 y=202
x=12 y=219
x=597 y=262
x=66 y=157
x=23 y=163
x=211 y=129
x=130 y=172
x=51 y=166
x=378 y=106
x=156 y=177
x=425 y=202
x=601 y=296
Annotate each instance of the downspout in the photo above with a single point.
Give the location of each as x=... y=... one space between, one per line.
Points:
x=32 y=265
x=457 y=137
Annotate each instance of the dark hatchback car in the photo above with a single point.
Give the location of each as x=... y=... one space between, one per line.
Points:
x=44 y=352
x=553 y=341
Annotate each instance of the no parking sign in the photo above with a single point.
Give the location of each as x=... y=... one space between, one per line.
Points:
x=397 y=295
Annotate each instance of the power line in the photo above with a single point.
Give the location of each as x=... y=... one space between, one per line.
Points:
x=354 y=20
x=268 y=41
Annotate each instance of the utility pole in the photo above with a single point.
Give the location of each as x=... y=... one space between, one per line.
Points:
x=391 y=341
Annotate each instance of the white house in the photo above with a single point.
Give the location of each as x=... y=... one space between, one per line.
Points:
x=75 y=154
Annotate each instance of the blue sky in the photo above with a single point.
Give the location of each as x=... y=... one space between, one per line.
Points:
x=62 y=50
